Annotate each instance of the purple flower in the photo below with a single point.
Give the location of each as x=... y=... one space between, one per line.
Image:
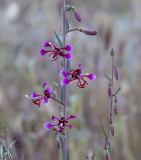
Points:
x=56 y=51
x=75 y=74
x=59 y=127
x=38 y=99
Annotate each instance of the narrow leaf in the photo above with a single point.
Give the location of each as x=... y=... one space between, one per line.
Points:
x=62 y=95
x=109 y=147
x=68 y=157
x=68 y=66
x=58 y=40
x=104 y=132
x=67 y=7
x=54 y=83
x=117 y=91
x=62 y=146
x=117 y=65
x=67 y=25
x=107 y=77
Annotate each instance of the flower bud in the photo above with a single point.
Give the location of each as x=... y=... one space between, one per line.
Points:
x=116 y=73
x=112 y=52
x=109 y=91
x=112 y=130
x=87 y=158
x=115 y=109
x=88 y=32
x=76 y=14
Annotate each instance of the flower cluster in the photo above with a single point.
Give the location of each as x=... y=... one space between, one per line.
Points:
x=38 y=99
x=55 y=52
x=75 y=74
x=59 y=127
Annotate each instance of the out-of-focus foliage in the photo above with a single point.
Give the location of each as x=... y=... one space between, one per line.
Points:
x=24 y=26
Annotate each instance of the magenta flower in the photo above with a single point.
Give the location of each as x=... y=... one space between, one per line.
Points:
x=75 y=74
x=56 y=51
x=59 y=127
x=38 y=99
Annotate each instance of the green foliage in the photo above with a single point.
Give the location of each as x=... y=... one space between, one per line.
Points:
x=107 y=77
x=104 y=132
x=117 y=91
x=58 y=40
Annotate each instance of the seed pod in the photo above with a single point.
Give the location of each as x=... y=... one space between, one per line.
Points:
x=116 y=73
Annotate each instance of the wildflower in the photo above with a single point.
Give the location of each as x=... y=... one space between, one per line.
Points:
x=38 y=99
x=75 y=74
x=56 y=51
x=59 y=127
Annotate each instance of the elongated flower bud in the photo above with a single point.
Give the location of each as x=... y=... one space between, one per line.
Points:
x=106 y=154
x=109 y=91
x=88 y=32
x=112 y=130
x=115 y=109
x=76 y=14
x=116 y=73
x=112 y=52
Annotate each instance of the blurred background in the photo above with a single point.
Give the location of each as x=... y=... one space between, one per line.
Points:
x=24 y=26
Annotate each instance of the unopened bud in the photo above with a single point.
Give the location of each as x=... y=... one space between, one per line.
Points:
x=115 y=109
x=116 y=73
x=88 y=32
x=112 y=129
x=76 y=14
x=87 y=158
x=58 y=144
x=109 y=91
x=112 y=52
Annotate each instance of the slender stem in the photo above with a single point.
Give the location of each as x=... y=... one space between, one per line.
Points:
x=71 y=30
x=111 y=104
x=6 y=142
x=56 y=100
x=58 y=88
x=65 y=88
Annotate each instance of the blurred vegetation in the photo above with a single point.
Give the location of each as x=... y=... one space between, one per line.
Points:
x=24 y=26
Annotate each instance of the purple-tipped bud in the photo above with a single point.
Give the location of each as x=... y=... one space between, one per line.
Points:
x=112 y=52
x=112 y=130
x=115 y=109
x=88 y=32
x=116 y=73
x=77 y=14
x=109 y=91
x=87 y=158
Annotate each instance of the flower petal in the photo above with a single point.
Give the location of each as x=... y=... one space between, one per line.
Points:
x=49 y=90
x=33 y=95
x=64 y=81
x=45 y=100
x=54 y=118
x=68 y=56
x=68 y=48
x=71 y=117
x=92 y=77
x=46 y=44
x=63 y=73
x=44 y=84
x=42 y=52
x=47 y=126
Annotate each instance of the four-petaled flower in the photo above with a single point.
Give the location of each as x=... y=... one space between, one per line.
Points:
x=56 y=51
x=38 y=99
x=75 y=74
x=59 y=127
